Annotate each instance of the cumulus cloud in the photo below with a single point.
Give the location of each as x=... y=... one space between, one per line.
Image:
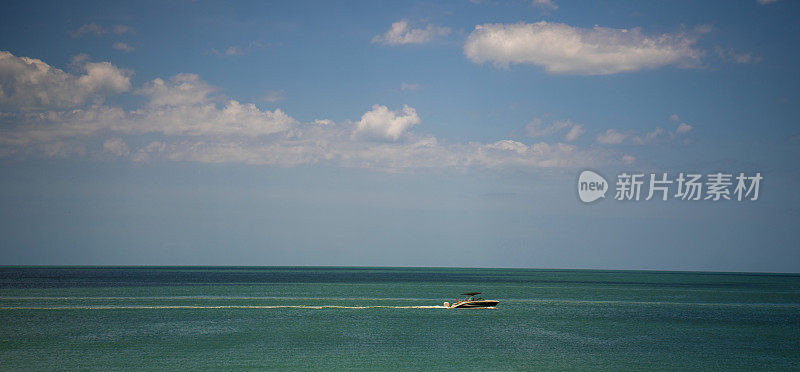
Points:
x=182 y=106
x=29 y=83
x=104 y=77
x=683 y=128
x=182 y=120
x=574 y=132
x=179 y=90
x=401 y=33
x=611 y=137
x=146 y=153
x=563 y=49
x=320 y=142
x=209 y=119
x=649 y=137
x=179 y=106
x=116 y=147
x=382 y=123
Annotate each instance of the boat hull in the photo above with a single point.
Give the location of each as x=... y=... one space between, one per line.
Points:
x=471 y=304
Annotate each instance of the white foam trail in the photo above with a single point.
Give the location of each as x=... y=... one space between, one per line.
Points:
x=214 y=298
x=125 y=307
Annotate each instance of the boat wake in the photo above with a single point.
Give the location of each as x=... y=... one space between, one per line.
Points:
x=133 y=307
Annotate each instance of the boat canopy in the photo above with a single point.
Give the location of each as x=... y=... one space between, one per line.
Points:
x=470 y=293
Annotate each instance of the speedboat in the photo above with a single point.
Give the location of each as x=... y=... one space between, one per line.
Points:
x=471 y=301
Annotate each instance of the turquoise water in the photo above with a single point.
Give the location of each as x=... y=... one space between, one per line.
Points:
x=391 y=318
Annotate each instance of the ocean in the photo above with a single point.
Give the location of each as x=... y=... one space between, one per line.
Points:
x=376 y=318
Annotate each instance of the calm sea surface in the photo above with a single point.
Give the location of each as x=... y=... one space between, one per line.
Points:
x=391 y=318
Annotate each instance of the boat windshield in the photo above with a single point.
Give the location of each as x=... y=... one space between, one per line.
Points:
x=470 y=296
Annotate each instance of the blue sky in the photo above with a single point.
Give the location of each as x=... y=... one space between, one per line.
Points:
x=395 y=133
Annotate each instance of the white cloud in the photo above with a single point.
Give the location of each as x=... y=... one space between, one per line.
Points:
x=182 y=121
x=611 y=137
x=382 y=123
x=125 y=47
x=681 y=131
x=545 y=5
x=649 y=137
x=179 y=106
x=233 y=51
x=657 y=135
x=104 y=77
x=684 y=128
x=542 y=154
x=181 y=89
x=209 y=119
x=29 y=83
x=401 y=33
x=321 y=142
x=333 y=146
x=563 y=49
x=508 y=145
x=116 y=147
x=674 y=118
x=574 y=132
x=147 y=152
x=237 y=50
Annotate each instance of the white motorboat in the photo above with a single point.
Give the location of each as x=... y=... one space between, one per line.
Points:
x=470 y=302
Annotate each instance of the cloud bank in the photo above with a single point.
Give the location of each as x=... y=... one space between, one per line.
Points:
x=52 y=113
